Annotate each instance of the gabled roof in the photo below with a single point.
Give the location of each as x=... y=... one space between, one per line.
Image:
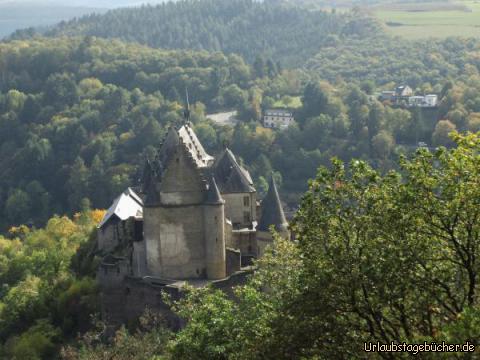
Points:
x=188 y=138
x=194 y=146
x=272 y=210
x=230 y=176
x=128 y=204
x=400 y=89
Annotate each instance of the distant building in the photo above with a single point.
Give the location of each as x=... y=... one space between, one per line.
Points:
x=431 y=100
x=278 y=118
x=403 y=96
x=428 y=101
x=388 y=96
x=403 y=91
x=416 y=100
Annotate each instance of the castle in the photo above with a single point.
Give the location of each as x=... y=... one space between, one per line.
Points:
x=195 y=220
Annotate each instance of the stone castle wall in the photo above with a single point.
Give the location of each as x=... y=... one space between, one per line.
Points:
x=235 y=208
x=175 y=242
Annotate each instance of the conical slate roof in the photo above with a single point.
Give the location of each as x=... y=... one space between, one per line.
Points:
x=272 y=211
x=231 y=177
x=213 y=194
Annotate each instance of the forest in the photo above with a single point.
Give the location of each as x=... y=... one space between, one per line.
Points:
x=78 y=116
x=386 y=232
x=288 y=34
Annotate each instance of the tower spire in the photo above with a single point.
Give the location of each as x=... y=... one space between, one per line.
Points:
x=272 y=210
x=186 y=112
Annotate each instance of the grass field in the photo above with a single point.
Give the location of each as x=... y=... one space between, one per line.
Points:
x=295 y=103
x=423 y=20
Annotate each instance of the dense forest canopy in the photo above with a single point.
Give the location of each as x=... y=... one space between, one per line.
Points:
x=69 y=106
x=289 y=35
x=48 y=292
x=78 y=116
x=387 y=60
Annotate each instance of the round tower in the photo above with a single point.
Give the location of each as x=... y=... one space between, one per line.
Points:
x=214 y=218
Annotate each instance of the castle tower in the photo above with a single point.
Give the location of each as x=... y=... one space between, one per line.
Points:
x=272 y=214
x=173 y=215
x=214 y=218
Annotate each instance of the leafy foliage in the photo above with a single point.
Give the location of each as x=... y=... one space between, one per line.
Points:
x=42 y=301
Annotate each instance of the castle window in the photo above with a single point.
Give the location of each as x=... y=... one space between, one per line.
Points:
x=246 y=201
x=246 y=216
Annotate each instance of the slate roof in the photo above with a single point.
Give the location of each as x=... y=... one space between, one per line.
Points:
x=128 y=204
x=272 y=210
x=230 y=176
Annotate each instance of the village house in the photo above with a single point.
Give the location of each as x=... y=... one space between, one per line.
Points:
x=427 y=101
x=403 y=91
x=403 y=96
x=278 y=118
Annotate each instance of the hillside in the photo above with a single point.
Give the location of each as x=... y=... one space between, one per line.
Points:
x=286 y=34
x=386 y=60
x=77 y=117
x=18 y=15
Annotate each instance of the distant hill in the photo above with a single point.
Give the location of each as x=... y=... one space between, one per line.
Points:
x=20 y=15
x=104 y=4
x=246 y=27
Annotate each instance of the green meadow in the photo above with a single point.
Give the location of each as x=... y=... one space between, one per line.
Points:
x=423 y=20
x=294 y=103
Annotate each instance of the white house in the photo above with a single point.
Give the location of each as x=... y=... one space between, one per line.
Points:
x=403 y=91
x=431 y=100
x=427 y=101
x=278 y=118
x=416 y=100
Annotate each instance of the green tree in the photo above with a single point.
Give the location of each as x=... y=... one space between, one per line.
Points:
x=392 y=257
x=61 y=90
x=441 y=135
x=314 y=99
x=383 y=144
x=17 y=207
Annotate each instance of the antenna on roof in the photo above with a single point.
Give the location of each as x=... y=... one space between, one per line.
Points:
x=186 y=112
